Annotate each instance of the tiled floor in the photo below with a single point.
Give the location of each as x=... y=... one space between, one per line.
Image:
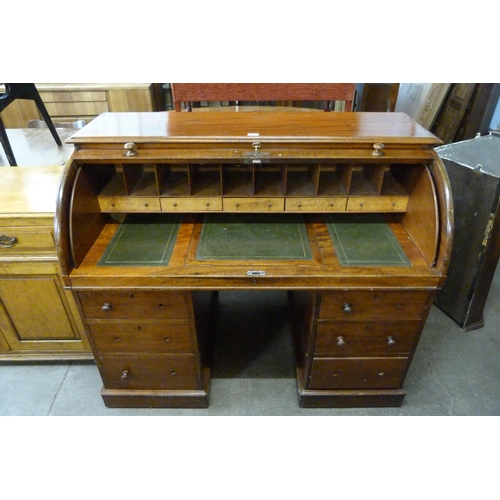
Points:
x=453 y=372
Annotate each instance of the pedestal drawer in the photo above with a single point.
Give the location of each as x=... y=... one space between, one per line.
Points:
x=380 y=305
x=27 y=239
x=152 y=372
x=140 y=337
x=356 y=338
x=358 y=373
x=134 y=305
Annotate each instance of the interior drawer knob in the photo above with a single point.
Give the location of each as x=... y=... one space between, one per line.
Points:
x=125 y=375
x=340 y=341
x=107 y=307
x=391 y=340
x=347 y=308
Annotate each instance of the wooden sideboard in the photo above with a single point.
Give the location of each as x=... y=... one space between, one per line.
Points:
x=84 y=101
x=350 y=213
x=38 y=318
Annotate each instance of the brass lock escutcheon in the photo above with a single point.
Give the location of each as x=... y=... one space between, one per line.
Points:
x=256 y=146
x=7 y=241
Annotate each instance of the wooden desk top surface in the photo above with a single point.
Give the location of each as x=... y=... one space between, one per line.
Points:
x=29 y=190
x=216 y=127
x=35 y=147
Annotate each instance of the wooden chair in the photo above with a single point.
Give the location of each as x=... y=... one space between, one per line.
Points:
x=184 y=95
x=28 y=91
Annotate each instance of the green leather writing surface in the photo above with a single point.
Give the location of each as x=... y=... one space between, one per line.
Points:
x=253 y=236
x=142 y=240
x=365 y=240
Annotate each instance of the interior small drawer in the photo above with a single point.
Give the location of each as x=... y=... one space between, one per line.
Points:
x=358 y=373
x=22 y=240
x=253 y=204
x=134 y=305
x=377 y=204
x=315 y=204
x=140 y=337
x=129 y=204
x=379 y=305
x=161 y=372
x=191 y=204
x=357 y=338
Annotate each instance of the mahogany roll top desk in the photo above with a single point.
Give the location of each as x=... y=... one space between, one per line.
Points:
x=350 y=213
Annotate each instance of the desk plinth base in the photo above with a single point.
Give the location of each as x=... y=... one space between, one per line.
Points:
x=309 y=398
x=122 y=398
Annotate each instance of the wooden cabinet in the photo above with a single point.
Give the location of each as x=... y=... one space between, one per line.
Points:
x=83 y=101
x=348 y=212
x=38 y=318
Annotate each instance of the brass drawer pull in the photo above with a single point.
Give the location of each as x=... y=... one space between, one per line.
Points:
x=107 y=306
x=378 y=147
x=340 y=341
x=391 y=340
x=347 y=308
x=130 y=149
x=7 y=241
x=125 y=375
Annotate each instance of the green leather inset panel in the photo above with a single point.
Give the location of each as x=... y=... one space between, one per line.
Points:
x=365 y=240
x=253 y=236
x=142 y=240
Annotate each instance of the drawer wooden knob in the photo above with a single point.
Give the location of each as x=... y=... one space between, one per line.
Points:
x=340 y=341
x=391 y=340
x=107 y=307
x=125 y=375
x=7 y=241
x=347 y=308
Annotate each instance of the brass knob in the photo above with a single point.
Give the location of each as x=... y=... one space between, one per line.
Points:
x=125 y=375
x=347 y=308
x=378 y=147
x=340 y=341
x=130 y=149
x=107 y=306
x=391 y=340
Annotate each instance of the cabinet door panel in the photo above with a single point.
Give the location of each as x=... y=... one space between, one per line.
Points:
x=35 y=308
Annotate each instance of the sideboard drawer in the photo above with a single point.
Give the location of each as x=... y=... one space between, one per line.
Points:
x=353 y=338
x=358 y=373
x=380 y=305
x=27 y=239
x=152 y=372
x=141 y=337
x=134 y=305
